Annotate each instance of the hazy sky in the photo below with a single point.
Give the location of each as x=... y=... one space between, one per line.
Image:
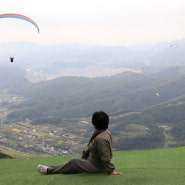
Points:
x=105 y=22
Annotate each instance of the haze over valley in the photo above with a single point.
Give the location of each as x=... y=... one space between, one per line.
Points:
x=52 y=61
x=48 y=95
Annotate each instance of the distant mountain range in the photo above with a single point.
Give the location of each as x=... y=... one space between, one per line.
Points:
x=140 y=88
x=80 y=96
x=93 y=61
x=151 y=101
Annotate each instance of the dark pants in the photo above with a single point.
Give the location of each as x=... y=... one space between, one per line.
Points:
x=75 y=166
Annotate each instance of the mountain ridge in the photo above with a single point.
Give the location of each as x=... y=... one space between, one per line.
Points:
x=126 y=91
x=145 y=108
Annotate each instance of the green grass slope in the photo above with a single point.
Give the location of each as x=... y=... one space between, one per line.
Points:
x=140 y=167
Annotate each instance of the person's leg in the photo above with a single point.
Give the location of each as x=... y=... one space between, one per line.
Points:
x=74 y=166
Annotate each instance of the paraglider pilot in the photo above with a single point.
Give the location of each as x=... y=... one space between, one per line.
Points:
x=11 y=59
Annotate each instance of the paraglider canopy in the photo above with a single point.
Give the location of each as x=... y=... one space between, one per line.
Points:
x=173 y=45
x=19 y=16
x=157 y=94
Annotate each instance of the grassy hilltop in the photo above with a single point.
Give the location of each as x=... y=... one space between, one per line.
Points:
x=140 y=167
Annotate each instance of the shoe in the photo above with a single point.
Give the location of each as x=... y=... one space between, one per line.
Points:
x=42 y=169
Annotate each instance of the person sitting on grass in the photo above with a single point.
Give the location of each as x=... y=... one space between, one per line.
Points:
x=96 y=159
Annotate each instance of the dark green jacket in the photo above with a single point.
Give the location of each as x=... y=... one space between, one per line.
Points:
x=100 y=151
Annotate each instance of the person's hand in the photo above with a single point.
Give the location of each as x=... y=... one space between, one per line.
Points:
x=116 y=173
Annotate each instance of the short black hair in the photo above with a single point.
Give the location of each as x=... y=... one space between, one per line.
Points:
x=100 y=120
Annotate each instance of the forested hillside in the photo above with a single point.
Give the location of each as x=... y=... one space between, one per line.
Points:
x=80 y=96
x=147 y=111
x=12 y=79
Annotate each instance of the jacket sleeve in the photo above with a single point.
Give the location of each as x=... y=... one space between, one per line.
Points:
x=105 y=154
